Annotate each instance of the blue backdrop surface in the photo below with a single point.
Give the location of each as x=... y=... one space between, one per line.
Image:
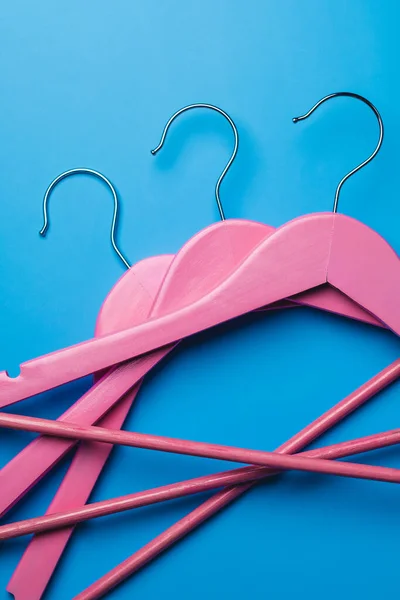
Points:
x=92 y=84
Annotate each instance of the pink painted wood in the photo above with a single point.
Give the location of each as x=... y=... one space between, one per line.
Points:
x=238 y=238
x=72 y=517
x=128 y=303
x=18 y=585
x=227 y=495
x=35 y=460
x=202 y=449
x=301 y=255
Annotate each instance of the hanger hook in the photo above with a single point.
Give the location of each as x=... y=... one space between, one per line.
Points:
x=235 y=148
x=79 y=171
x=378 y=146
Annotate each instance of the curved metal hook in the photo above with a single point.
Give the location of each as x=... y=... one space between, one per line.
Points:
x=378 y=146
x=79 y=171
x=232 y=158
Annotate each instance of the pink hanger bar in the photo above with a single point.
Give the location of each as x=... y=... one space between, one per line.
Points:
x=17 y=585
x=227 y=495
x=22 y=478
x=191 y=486
x=177 y=446
x=186 y=488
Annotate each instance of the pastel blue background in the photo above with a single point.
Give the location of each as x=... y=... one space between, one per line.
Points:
x=92 y=84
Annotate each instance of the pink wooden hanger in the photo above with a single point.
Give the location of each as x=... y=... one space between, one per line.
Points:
x=89 y=461
x=196 y=517
x=54 y=369
x=312 y=251
x=301 y=255
x=34 y=461
x=359 y=312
